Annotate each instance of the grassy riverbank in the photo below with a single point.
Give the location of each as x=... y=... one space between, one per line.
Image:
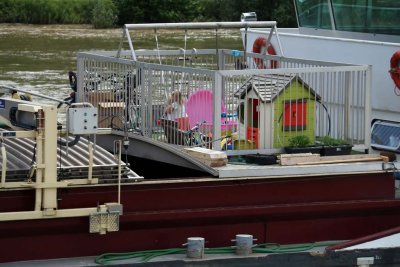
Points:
x=111 y=13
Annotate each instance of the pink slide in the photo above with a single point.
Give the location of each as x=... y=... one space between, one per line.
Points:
x=199 y=108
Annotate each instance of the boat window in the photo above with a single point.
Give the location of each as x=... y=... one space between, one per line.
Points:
x=371 y=16
x=313 y=14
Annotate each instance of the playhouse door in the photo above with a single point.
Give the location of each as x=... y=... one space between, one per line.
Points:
x=253 y=113
x=253 y=117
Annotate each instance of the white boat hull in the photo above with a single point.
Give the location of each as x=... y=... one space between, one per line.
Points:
x=385 y=103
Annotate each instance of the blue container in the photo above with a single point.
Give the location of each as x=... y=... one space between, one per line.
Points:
x=235 y=53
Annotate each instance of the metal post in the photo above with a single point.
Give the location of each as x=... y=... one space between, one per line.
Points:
x=245 y=44
x=195 y=247
x=217 y=111
x=121 y=43
x=90 y=167
x=117 y=155
x=130 y=44
x=244 y=244
x=4 y=166
x=347 y=101
x=80 y=69
x=278 y=40
x=216 y=49
x=50 y=159
x=39 y=161
x=119 y=171
x=367 y=104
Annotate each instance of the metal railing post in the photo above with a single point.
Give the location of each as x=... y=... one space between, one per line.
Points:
x=217 y=100
x=367 y=106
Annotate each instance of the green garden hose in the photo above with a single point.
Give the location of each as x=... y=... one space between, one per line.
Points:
x=145 y=256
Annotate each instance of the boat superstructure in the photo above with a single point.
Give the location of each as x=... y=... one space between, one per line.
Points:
x=356 y=32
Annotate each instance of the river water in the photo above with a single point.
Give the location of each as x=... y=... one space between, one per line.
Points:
x=38 y=57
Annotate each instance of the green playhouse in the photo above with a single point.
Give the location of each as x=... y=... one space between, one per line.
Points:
x=275 y=108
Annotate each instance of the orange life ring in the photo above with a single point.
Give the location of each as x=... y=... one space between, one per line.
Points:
x=395 y=68
x=258 y=45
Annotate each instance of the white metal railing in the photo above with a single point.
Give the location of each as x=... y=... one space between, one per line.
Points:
x=235 y=106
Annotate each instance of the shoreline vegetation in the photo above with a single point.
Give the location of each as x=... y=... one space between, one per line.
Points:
x=114 y=13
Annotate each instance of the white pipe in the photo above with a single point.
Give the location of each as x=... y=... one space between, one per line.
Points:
x=279 y=42
x=202 y=25
x=130 y=44
x=11 y=88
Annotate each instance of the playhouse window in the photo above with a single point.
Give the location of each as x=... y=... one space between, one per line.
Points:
x=295 y=115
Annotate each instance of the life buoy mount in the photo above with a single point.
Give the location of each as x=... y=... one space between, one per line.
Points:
x=395 y=68
x=262 y=46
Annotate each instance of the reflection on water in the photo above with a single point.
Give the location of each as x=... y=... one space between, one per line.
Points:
x=38 y=57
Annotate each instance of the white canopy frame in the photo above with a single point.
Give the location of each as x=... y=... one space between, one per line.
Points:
x=197 y=25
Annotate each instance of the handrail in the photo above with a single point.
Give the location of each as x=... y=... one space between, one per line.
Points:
x=201 y=25
x=10 y=88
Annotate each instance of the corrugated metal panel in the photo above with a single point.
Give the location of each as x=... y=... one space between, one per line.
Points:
x=74 y=162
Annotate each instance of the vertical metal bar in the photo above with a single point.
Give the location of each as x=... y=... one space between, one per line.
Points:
x=121 y=43
x=347 y=101
x=217 y=97
x=245 y=43
x=216 y=48
x=4 y=166
x=367 y=106
x=39 y=161
x=119 y=171
x=142 y=96
x=279 y=41
x=80 y=78
x=90 y=167
x=130 y=43
x=331 y=16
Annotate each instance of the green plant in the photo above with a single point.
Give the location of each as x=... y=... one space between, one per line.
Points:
x=299 y=141
x=330 y=141
x=104 y=14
